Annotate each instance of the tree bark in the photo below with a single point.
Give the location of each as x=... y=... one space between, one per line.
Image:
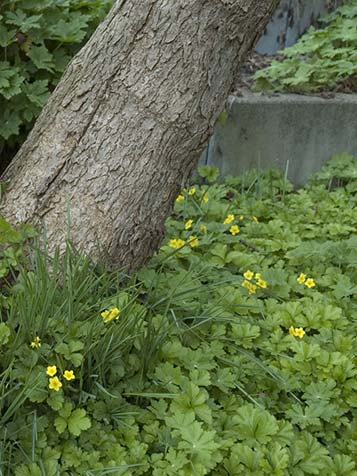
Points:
x=125 y=127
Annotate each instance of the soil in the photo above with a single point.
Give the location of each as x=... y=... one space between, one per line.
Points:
x=253 y=63
x=257 y=61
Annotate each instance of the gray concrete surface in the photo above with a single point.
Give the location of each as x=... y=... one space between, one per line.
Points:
x=290 y=20
x=285 y=131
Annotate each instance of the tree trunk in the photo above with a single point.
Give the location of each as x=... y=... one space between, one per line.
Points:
x=126 y=125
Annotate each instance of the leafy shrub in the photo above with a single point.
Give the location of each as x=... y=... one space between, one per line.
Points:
x=37 y=40
x=323 y=59
x=341 y=171
x=12 y=244
x=233 y=352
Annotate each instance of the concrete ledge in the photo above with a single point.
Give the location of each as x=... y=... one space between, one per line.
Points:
x=288 y=131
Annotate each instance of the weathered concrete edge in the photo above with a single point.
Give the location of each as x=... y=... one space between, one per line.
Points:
x=280 y=98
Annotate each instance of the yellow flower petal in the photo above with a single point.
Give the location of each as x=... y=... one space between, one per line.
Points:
x=248 y=274
x=252 y=288
x=55 y=384
x=114 y=313
x=51 y=370
x=176 y=243
x=299 y=332
x=301 y=278
x=310 y=283
x=188 y=224
x=36 y=343
x=110 y=314
x=228 y=219
x=234 y=229
x=69 y=375
x=193 y=241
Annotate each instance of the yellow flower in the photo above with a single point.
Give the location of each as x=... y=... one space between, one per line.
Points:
x=310 y=283
x=110 y=314
x=176 y=243
x=255 y=219
x=193 y=241
x=299 y=332
x=36 y=343
x=192 y=191
x=205 y=198
x=301 y=278
x=248 y=274
x=228 y=219
x=234 y=229
x=69 y=375
x=114 y=313
x=203 y=228
x=258 y=276
x=180 y=198
x=252 y=288
x=261 y=283
x=188 y=224
x=51 y=370
x=105 y=314
x=241 y=217
x=54 y=384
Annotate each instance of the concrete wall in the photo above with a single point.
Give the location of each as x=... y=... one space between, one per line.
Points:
x=300 y=132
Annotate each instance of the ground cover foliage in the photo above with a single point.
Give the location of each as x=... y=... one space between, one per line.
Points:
x=323 y=59
x=232 y=352
x=38 y=38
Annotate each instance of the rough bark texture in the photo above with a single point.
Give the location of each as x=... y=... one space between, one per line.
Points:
x=126 y=125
